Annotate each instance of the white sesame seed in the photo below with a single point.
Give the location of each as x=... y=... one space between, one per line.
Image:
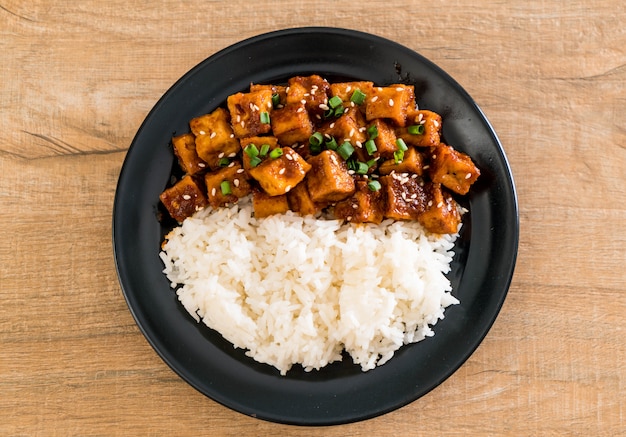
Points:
x=303 y=101
x=348 y=88
x=202 y=132
x=351 y=132
x=414 y=196
x=374 y=99
x=426 y=167
x=221 y=155
x=436 y=123
x=324 y=107
x=213 y=192
x=420 y=117
x=232 y=135
x=269 y=105
x=467 y=176
x=362 y=129
x=232 y=155
x=232 y=164
x=332 y=125
x=287 y=188
x=430 y=203
x=213 y=134
x=289 y=157
x=379 y=89
x=243 y=124
x=287 y=89
x=281 y=171
x=349 y=218
x=423 y=122
x=359 y=144
x=300 y=109
x=251 y=106
x=256 y=108
x=201 y=164
x=186 y=196
x=351 y=172
x=390 y=102
x=319 y=117
x=314 y=87
x=240 y=170
x=440 y=204
x=238 y=118
x=355 y=206
x=414 y=176
x=400 y=88
x=236 y=182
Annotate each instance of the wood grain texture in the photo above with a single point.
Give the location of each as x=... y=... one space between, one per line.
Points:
x=76 y=81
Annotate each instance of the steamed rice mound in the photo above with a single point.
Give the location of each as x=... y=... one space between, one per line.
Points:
x=292 y=289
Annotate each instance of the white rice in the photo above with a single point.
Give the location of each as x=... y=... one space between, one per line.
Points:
x=293 y=289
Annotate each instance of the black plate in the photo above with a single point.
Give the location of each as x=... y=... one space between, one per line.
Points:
x=340 y=393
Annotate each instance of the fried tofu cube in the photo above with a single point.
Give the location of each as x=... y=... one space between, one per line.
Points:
x=250 y=112
x=300 y=200
x=365 y=205
x=258 y=143
x=405 y=198
x=390 y=102
x=184 y=198
x=350 y=126
x=431 y=135
x=227 y=185
x=442 y=214
x=453 y=169
x=345 y=90
x=329 y=180
x=291 y=124
x=265 y=205
x=279 y=175
x=185 y=150
x=385 y=139
x=412 y=162
x=280 y=90
x=312 y=91
x=214 y=135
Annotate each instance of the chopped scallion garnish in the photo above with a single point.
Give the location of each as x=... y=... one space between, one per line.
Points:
x=398 y=156
x=332 y=144
x=361 y=167
x=417 y=129
x=338 y=111
x=371 y=163
x=345 y=150
x=265 y=117
x=316 y=139
x=374 y=185
x=334 y=101
x=223 y=162
x=254 y=161
x=276 y=153
x=401 y=145
x=370 y=146
x=251 y=150
x=275 y=100
x=264 y=149
x=372 y=131
x=358 y=97
x=225 y=187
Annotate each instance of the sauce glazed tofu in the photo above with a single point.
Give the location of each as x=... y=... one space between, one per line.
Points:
x=354 y=150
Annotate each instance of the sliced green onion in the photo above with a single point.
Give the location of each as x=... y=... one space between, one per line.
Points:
x=275 y=100
x=372 y=131
x=315 y=149
x=223 y=162
x=417 y=129
x=225 y=187
x=401 y=144
x=332 y=144
x=370 y=146
x=251 y=150
x=358 y=97
x=276 y=153
x=352 y=164
x=345 y=150
x=338 y=111
x=361 y=167
x=265 y=117
x=371 y=163
x=398 y=156
x=374 y=185
x=316 y=139
x=334 y=101
x=264 y=149
x=329 y=113
x=254 y=161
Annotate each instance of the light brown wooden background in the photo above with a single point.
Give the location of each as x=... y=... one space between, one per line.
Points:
x=76 y=81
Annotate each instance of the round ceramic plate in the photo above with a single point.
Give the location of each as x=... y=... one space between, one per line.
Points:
x=481 y=272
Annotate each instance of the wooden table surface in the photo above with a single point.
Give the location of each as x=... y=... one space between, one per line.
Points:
x=78 y=78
